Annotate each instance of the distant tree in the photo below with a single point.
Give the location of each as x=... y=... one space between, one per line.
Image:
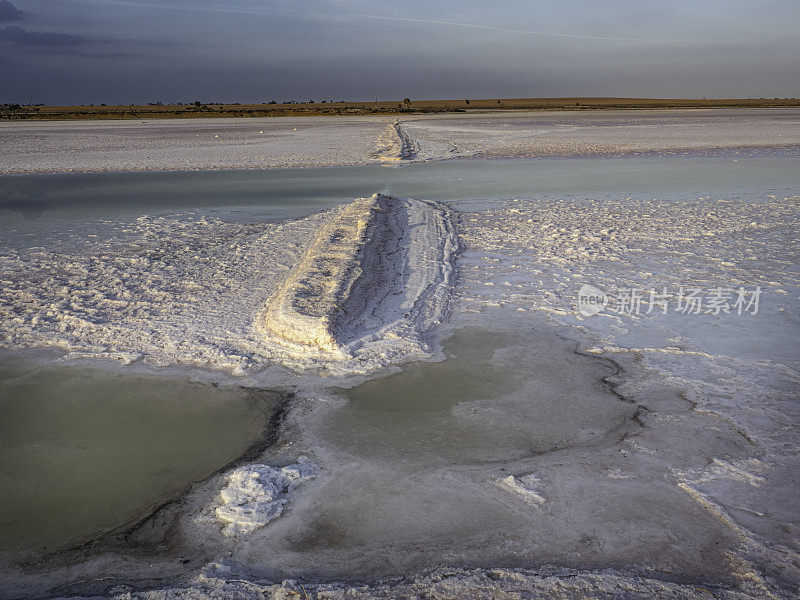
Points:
x=498 y=102
x=197 y=103
x=406 y=101
x=272 y=102
x=467 y=101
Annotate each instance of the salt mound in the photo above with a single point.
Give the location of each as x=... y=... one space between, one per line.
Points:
x=376 y=277
x=256 y=494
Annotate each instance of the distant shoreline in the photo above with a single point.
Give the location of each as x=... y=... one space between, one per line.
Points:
x=12 y=112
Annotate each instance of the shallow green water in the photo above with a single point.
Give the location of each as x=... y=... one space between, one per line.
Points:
x=498 y=395
x=85 y=451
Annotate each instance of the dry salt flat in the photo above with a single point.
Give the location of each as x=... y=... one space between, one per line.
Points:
x=191 y=144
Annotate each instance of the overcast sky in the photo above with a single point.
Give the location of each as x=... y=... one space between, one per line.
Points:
x=138 y=51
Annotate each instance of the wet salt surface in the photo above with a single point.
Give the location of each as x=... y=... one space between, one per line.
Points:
x=468 y=408
x=698 y=488
x=414 y=460
x=533 y=255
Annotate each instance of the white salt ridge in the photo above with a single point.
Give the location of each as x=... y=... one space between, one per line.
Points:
x=749 y=471
x=375 y=280
x=303 y=311
x=395 y=144
x=257 y=493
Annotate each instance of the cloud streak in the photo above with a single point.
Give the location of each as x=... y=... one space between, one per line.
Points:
x=509 y=30
x=318 y=15
x=22 y=37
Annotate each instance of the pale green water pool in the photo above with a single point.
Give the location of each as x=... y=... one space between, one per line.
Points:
x=84 y=451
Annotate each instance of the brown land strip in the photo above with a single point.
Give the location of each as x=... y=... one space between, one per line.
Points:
x=198 y=110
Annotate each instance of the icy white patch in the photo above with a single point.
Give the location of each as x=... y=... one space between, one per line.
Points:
x=256 y=494
x=617 y=473
x=524 y=487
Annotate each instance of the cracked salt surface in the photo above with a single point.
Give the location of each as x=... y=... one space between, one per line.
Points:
x=740 y=370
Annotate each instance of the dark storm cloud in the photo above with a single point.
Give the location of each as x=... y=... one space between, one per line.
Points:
x=21 y=37
x=15 y=35
x=9 y=12
x=82 y=51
